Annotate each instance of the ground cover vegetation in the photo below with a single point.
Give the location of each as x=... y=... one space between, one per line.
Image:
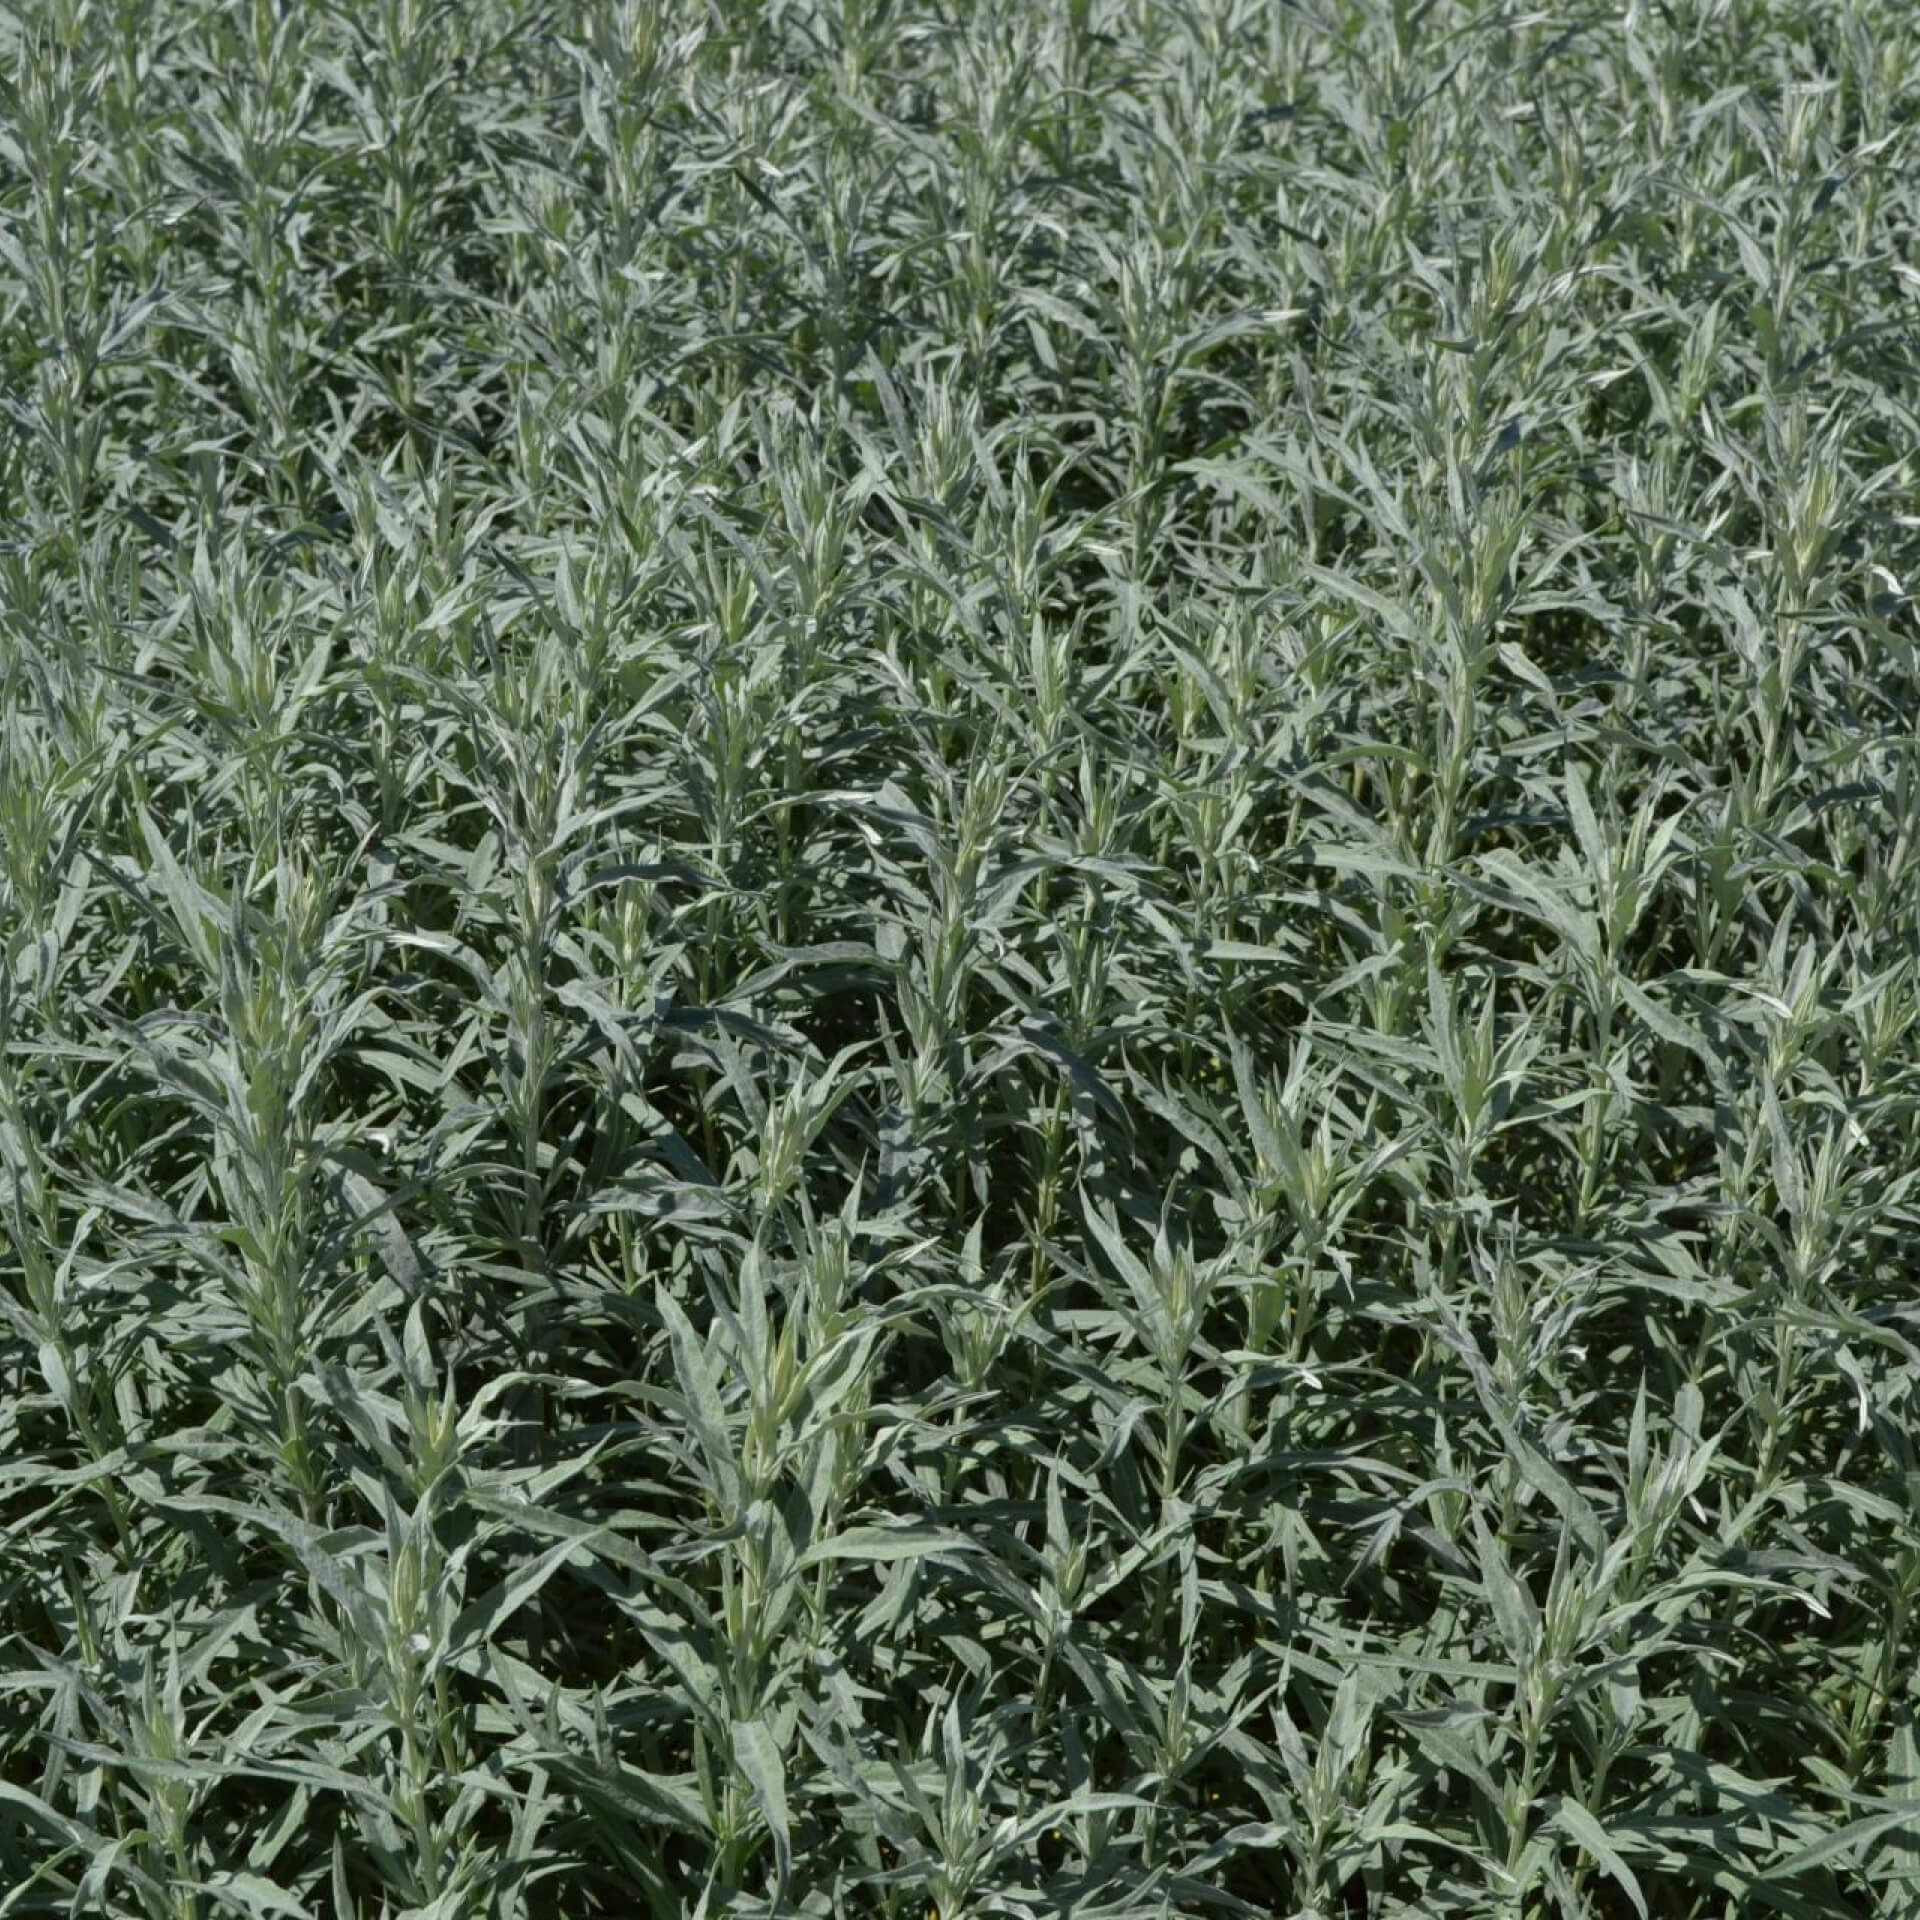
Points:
x=959 y=959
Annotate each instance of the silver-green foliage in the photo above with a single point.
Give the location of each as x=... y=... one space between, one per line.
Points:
x=959 y=959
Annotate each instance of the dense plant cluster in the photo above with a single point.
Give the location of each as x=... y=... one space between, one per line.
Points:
x=959 y=959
